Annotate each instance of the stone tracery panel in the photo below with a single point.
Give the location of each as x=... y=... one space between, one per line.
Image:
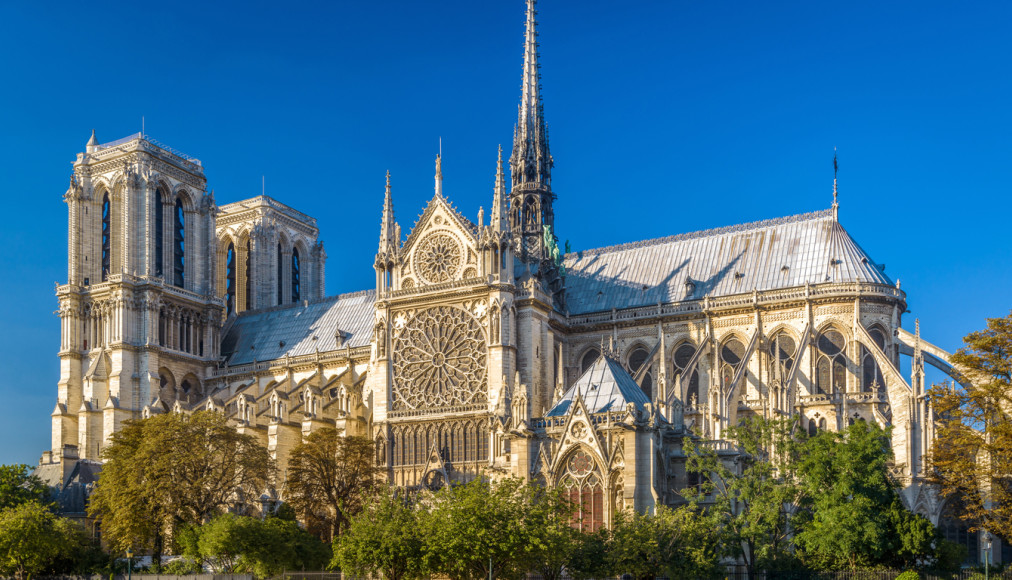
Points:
x=438 y=259
x=439 y=361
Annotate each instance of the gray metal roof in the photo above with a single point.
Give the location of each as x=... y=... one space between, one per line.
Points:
x=764 y=255
x=261 y=335
x=605 y=386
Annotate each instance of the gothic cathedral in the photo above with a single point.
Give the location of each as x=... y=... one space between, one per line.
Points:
x=484 y=349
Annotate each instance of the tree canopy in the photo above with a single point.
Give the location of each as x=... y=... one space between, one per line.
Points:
x=330 y=476
x=33 y=539
x=971 y=455
x=174 y=469
x=19 y=486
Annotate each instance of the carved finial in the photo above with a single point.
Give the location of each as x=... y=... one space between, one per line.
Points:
x=439 y=175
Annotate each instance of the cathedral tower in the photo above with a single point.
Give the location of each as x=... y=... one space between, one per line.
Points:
x=140 y=324
x=532 y=218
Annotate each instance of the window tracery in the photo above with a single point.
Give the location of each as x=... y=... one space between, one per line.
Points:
x=872 y=380
x=783 y=351
x=583 y=484
x=831 y=368
x=731 y=355
x=637 y=359
x=248 y=286
x=683 y=355
x=439 y=258
x=439 y=360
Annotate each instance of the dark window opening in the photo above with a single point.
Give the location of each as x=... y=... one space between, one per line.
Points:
x=248 y=302
x=159 y=234
x=589 y=359
x=230 y=279
x=106 y=237
x=281 y=283
x=296 y=289
x=178 y=245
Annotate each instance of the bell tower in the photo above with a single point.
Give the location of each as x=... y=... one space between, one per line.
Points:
x=139 y=319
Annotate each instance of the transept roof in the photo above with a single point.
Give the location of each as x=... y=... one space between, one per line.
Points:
x=777 y=253
x=605 y=386
x=300 y=329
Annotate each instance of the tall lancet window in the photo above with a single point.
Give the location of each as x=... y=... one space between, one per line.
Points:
x=159 y=234
x=296 y=290
x=106 y=237
x=248 y=302
x=178 y=244
x=636 y=360
x=281 y=282
x=831 y=368
x=230 y=278
x=683 y=356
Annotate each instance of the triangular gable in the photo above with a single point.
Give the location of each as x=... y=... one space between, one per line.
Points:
x=579 y=431
x=442 y=230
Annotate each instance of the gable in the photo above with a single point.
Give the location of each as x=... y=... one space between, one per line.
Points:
x=441 y=248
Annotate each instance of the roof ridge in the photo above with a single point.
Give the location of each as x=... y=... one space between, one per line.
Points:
x=299 y=304
x=812 y=215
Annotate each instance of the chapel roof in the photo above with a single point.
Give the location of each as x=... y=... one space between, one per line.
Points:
x=764 y=255
x=605 y=386
x=299 y=329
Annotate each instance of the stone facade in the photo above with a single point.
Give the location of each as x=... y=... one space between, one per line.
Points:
x=483 y=350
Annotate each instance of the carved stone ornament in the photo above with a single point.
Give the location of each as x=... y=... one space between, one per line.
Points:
x=438 y=258
x=439 y=360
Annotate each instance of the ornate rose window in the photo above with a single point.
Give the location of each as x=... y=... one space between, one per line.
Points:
x=438 y=258
x=439 y=361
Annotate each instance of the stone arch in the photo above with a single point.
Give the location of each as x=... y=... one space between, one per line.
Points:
x=730 y=356
x=581 y=476
x=635 y=357
x=588 y=357
x=166 y=387
x=831 y=359
x=299 y=271
x=190 y=386
x=680 y=356
x=183 y=193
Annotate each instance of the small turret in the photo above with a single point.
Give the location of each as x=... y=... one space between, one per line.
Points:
x=499 y=218
x=389 y=244
x=92 y=145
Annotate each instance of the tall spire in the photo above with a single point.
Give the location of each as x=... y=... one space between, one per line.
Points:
x=388 y=229
x=530 y=160
x=499 y=217
x=836 y=169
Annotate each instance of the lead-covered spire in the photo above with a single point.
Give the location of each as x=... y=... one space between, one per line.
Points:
x=531 y=161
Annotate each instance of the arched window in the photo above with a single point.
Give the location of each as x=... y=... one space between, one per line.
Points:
x=783 y=351
x=871 y=375
x=637 y=359
x=159 y=234
x=813 y=428
x=589 y=359
x=178 y=244
x=248 y=302
x=831 y=368
x=731 y=355
x=531 y=214
x=296 y=289
x=582 y=485
x=281 y=283
x=683 y=354
x=106 y=237
x=230 y=278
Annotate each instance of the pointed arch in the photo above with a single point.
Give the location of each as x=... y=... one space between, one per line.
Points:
x=681 y=356
x=580 y=477
x=106 y=233
x=178 y=244
x=831 y=361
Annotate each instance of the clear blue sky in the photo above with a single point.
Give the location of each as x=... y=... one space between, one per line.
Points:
x=665 y=117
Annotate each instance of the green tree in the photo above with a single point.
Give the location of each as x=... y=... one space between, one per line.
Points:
x=18 y=485
x=33 y=539
x=971 y=456
x=385 y=537
x=171 y=470
x=330 y=477
x=589 y=558
x=755 y=497
x=678 y=543
x=234 y=544
x=480 y=530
